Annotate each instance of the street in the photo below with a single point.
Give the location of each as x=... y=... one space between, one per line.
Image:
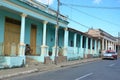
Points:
x=98 y=70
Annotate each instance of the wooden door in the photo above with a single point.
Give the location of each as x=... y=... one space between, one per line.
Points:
x=33 y=39
x=11 y=38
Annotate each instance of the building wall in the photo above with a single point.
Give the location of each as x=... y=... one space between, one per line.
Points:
x=2 y=19
x=50 y=36
x=3 y=15
x=61 y=37
x=39 y=33
x=71 y=39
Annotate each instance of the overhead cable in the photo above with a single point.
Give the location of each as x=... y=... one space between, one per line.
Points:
x=85 y=6
x=78 y=23
x=93 y=16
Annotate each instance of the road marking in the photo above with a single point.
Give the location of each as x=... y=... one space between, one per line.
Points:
x=112 y=64
x=84 y=76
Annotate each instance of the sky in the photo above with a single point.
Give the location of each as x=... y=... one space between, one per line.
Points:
x=105 y=19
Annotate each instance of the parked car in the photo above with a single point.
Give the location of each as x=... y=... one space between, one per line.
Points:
x=109 y=55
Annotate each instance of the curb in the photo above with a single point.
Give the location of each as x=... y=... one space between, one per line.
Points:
x=80 y=62
x=19 y=73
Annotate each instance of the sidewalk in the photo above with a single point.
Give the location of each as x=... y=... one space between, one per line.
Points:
x=38 y=67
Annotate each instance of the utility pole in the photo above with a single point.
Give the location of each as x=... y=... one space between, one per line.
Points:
x=56 y=31
x=118 y=40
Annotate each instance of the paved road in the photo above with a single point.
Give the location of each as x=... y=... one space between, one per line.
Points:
x=99 y=70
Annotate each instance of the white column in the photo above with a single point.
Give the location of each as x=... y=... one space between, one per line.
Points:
x=102 y=44
x=75 y=37
x=111 y=45
x=22 y=36
x=115 y=47
x=99 y=47
x=86 y=50
x=95 y=47
x=44 y=47
x=81 y=41
x=66 y=33
x=91 y=45
x=55 y=45
x=106 y=46
x=81 y=44
x=22 y=33
x=44 y=32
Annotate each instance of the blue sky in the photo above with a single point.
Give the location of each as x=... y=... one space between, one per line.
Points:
x=110 y=17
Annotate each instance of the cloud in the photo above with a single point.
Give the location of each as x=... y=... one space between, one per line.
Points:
x=97 y=1
x=47 y=2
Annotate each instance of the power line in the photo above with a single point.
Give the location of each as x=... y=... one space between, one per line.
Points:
x=85 y=6
x=93 y=16
x=78 y=23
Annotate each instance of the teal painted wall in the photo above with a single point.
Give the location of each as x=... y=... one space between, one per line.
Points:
x=71 y=39
x=17 y=61
x=2 y=19
x=79 y=52
x=27 y=31
x=39 y=27
x=61 y=37
x=39 y=37
x=50 y=40
x=78 y=41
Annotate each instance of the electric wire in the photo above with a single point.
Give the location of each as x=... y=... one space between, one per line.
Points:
x=85 y=6
x=93 y=16
x=78 y=23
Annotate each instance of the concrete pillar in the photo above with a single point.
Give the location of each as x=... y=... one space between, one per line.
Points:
x=81 y=44
x=115 y=47
x=75 y=39
x=55 y=45
x=106 y=46
x=22 y=36
x=95 y=46
x=99 y=47
x=44 y=47
x=102 y=44
x=44 y=32
x=81 y=41
x=111 y=45
x=66 y=33
x=91 y=45
x=86 y=45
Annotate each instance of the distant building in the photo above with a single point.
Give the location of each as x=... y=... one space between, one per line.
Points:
x=108 y=41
